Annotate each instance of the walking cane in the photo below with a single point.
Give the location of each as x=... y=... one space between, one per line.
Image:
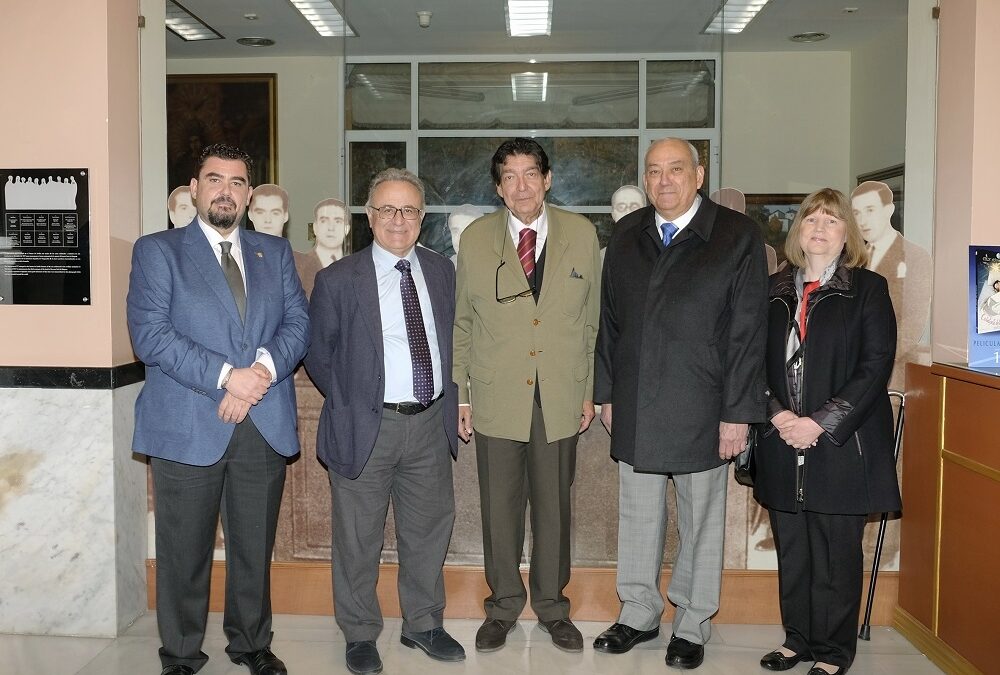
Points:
x=866 y=627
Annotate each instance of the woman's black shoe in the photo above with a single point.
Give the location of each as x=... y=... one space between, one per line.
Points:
x=777 y=661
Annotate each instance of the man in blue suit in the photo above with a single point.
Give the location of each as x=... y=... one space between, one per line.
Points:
x=218 y=316
x=382 y=355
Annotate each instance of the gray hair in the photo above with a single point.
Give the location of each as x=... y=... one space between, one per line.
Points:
x=693 y=150
x=401 y=175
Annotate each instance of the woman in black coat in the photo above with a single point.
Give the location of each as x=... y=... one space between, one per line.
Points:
x=825 y=458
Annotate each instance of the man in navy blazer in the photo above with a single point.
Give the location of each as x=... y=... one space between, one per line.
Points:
x=382 y=356
x=218 y=316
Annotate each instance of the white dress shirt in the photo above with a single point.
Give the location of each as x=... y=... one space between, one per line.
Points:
x=540 y=226
x=398 y=364
x=683 y=220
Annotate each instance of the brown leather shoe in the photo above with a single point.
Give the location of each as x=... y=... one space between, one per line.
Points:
x=564 y=634
x=492 y=635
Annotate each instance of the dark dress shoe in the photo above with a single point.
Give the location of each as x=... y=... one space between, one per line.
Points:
x=620 y=638
x=492 y=635
x=177 y=669
x=777 y=661
x=816 y=670
x=565 y=635
x=436 y=643
x=262 y=662
x=363 y=658
x=684 y=654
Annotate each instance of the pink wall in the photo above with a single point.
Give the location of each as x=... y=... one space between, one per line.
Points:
x=71 y=82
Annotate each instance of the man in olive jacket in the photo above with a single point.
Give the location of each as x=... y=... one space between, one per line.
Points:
x=525 y=326
x=680 y=363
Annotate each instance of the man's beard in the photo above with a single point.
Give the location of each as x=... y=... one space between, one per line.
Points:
x=223 y=220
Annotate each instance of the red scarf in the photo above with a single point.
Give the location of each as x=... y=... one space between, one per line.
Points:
x=807 y=289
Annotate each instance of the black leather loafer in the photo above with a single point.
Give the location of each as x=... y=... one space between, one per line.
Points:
x=436 y=643
x=620 y=638
x=684 y=654
x=777 y=661
x=177 y=669
x=816 y=670
x=492 y=635
x=363 y=658
x=262 y=662
x=564 y=634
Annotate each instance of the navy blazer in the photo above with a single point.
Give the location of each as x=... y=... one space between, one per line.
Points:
x=347 y=359
x=185 y=325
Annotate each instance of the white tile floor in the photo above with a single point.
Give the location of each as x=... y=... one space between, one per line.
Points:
x=312 y=645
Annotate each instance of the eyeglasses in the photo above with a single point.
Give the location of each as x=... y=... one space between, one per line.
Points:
x=389 y=212
x=510 y=298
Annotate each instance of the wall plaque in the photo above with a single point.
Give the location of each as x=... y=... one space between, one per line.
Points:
x=45 y=237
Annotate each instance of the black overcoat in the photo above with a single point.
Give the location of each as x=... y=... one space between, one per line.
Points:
x=681 y=341
x=847 y=359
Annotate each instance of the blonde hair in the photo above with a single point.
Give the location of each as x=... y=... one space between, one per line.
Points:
x=836 y=204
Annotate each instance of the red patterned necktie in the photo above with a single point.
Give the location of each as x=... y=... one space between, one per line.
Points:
x=526 y=252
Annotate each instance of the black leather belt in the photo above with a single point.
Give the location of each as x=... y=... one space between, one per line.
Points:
x=410 y=407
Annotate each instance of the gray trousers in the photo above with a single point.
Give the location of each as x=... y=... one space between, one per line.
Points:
x=696 y=577
x=247 y=483
x=511 y=473
x=411 y=465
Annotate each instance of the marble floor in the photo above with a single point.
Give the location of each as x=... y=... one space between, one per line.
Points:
x=313 y=645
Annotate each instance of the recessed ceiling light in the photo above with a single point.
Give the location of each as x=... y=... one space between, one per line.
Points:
x=528 y=17
x=250 y=16
x=809 y=37
x=186 y=25
x=255 y=42
x=325 y=18
x=733 y=16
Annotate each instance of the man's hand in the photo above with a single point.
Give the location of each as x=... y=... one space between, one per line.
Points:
x=262 y=369
x=248 y=384
x=801 y=433
x=587 y=417
x=233 y=410
x=465 y=422
x=732 y=439
x=606 y=416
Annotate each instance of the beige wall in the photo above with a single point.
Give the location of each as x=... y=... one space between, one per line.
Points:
x=779 y=133
x=75 y=106
x=310 y=139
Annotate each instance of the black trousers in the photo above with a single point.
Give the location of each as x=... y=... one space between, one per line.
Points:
x=247 y=484
x=510 y=474
x=820 y=577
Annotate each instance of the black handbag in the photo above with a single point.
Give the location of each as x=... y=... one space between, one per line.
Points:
x=744 y=464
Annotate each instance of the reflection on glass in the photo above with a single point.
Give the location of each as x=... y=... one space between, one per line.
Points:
x=434 y=234
x=680 y=94
x=361 y=232
x=367 y=159
x=569 y=95
x=377 y=96
x=585 y=171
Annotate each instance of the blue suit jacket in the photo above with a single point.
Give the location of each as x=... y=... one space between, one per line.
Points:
x=185 y=326
x=347 y=360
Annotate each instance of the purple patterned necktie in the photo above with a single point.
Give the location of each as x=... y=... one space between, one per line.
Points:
x=420 y=353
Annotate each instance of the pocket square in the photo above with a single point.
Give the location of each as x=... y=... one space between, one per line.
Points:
x=574 y=274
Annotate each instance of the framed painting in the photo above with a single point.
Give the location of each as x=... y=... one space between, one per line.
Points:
x=893 y=177
x=238 y=110
x=774 y=213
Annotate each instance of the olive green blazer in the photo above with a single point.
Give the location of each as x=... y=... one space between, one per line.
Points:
x=502 y=349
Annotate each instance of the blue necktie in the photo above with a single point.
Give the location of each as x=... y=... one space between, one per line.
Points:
x=669 y=230
x=420 y=353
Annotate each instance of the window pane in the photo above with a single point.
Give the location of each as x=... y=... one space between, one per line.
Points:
x=367 y=159
x=585 y=171
x=680 y=94
x=377 y=96
x=593 y=95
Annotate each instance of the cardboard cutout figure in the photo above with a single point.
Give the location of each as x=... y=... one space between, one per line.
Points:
x=180 y=208
x=458 y=220
x=330 y=227
x=734 y=199
x=268 y=210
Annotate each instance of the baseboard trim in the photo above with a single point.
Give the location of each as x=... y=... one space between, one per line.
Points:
x=748 y=596
x=933 y=647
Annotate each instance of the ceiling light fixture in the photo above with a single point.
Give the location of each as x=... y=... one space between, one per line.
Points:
x=733 y=16
x=186 y=25
x=809 y=37
x=528 y=17
x=255 y=42
x=531 y=87
x=325 y=18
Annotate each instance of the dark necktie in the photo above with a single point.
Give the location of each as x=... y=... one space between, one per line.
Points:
x=526 y=252
x=420 y=353
x=234 y=278
x=669 y=230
